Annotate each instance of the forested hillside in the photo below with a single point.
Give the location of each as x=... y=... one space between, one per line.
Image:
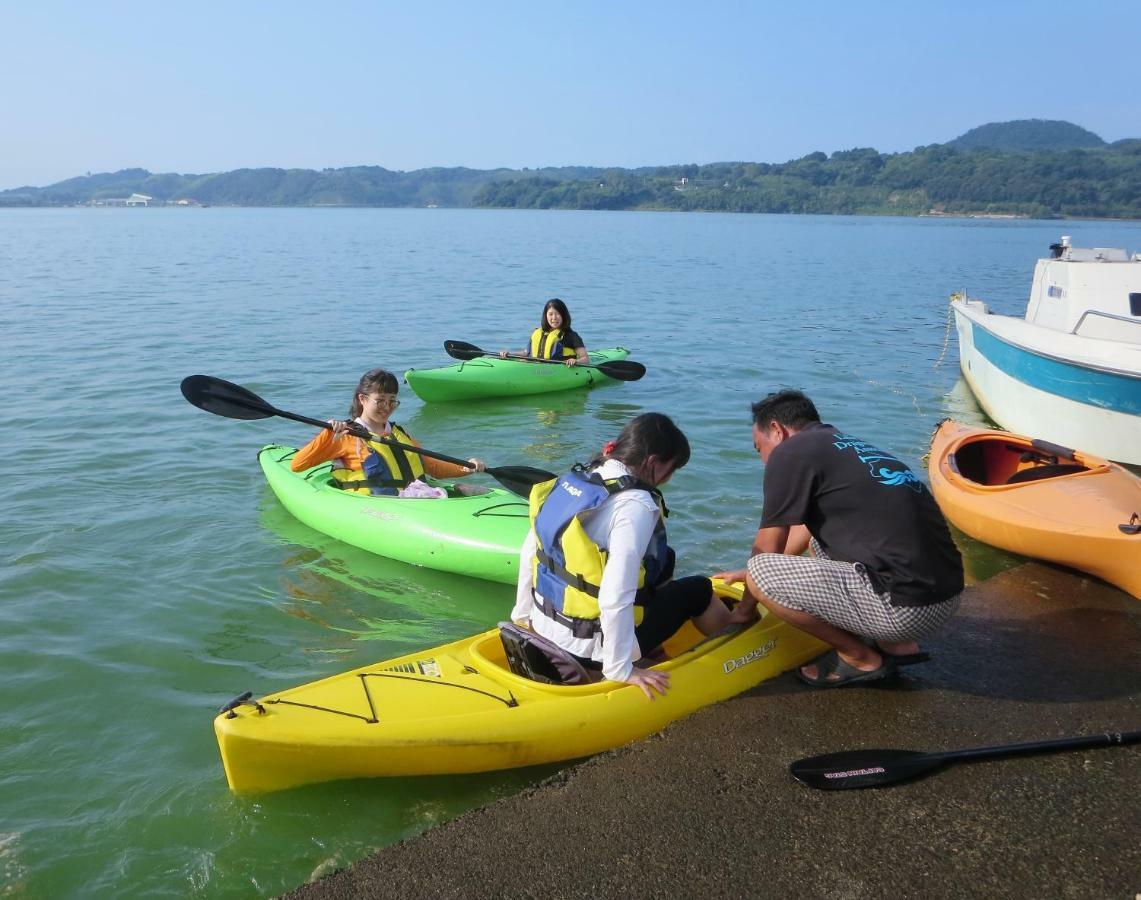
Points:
x=1027 y=168
x=1028 y=135
x=1105 y=182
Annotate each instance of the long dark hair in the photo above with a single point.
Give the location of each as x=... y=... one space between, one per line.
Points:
x=380 y=380
x=650 y=434
x=558 y=304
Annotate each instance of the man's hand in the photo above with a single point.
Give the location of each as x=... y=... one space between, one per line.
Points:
x=744 y=612
x=730 y=577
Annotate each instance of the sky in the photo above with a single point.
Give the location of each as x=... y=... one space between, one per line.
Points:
x=212 y=86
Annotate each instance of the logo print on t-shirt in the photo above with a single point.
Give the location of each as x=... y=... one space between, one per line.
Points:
x=884 y=467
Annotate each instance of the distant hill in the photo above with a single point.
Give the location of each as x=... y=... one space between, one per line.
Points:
x=1027 y=136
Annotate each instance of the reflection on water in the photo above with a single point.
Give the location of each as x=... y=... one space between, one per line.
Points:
x=615 y=412
x=961 y=405
x=348 y=591
x=547 y=427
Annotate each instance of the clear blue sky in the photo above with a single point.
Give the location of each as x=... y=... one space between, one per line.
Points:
x=208 y=87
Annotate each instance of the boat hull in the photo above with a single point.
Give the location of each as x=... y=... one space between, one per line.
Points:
x=479 y=536
x=458 y=709
x=490 y=376
x=1071 y=519
x=1040 y=390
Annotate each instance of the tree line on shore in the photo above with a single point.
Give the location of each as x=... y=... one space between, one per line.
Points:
x=1099 y=181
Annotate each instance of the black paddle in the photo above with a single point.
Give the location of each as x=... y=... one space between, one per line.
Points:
x=618 y=369
x=223 y=398
x=873 y=768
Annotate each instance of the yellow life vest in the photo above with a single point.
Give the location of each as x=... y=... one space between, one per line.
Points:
x=386 y=468
x=549 y=345
x=566 y=570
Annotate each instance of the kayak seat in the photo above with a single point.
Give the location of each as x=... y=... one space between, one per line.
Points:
x=1037 y=473
x=533 y=656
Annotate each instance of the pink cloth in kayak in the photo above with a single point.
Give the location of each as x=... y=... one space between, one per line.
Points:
x=419 y=490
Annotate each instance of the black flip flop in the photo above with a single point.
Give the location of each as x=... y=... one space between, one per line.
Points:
x=903 y=659
x=830 y=663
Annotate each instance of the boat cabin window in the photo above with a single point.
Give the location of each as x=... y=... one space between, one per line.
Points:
x=1135 y=304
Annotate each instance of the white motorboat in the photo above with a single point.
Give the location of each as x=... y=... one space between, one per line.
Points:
x=1070 y=371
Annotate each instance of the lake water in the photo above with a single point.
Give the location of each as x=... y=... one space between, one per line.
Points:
x=149 y=575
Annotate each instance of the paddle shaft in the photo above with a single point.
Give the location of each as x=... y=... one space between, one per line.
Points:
x=543 y=359
x=1107 y=739
x=618 y=369
x=285 y=414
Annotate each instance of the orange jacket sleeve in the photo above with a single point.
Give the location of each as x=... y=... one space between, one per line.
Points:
x=325 y=447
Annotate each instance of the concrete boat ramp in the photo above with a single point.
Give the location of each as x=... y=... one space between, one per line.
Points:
x=707 y=808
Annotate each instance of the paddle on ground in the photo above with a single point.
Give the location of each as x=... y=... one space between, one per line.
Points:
x=874 y=768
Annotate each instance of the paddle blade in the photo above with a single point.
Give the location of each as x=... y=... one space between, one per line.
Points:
x=520 y=479
x=622 y=369
x=462 y=350
x=224 y=398
x=863 y=768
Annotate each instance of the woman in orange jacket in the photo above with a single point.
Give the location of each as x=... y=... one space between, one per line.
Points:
x=366 y=465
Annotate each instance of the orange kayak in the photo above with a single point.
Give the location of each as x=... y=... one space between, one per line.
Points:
x=1041 y=500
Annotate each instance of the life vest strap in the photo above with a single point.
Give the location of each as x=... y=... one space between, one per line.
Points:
x=583 y=629
x=571 y=578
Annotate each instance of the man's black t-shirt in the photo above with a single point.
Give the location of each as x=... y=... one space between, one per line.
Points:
x=865 y=506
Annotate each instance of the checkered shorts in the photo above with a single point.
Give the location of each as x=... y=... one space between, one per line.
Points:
x=841 y=594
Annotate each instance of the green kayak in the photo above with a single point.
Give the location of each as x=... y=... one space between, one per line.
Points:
x=478 y=536
x=490 y=376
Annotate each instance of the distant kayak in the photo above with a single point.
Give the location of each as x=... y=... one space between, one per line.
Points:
x=478 y=536
x=1041 y=500
x=490 y=376
x=459 y=708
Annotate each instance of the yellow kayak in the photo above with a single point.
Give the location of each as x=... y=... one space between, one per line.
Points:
x=458 y=708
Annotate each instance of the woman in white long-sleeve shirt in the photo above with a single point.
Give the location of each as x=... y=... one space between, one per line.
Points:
x=589 y=607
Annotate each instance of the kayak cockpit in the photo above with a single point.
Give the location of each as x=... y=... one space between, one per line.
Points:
x=517 y=652
x=993 y=461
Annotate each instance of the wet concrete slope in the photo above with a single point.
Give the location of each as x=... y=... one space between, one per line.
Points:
x=708 y=809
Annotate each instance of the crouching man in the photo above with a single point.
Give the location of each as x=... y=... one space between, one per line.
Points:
x=884 y=572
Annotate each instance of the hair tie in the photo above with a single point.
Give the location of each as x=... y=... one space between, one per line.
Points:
x=608 y=448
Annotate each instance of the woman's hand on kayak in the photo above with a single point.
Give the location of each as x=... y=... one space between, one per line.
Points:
x=476 y=465
x=571 y=361
x=734 y=577
x=649 y=681
x=503 y=354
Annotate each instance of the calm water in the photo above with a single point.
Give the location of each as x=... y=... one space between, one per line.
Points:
x=148 y=574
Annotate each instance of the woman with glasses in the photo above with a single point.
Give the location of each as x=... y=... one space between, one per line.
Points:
x=368 y=466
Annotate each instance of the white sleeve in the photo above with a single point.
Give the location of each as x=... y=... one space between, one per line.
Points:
x=631 y=528
x=524 y=600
